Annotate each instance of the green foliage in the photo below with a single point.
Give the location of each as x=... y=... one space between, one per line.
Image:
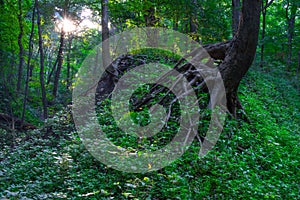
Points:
x=256 y=160
x=211 y=20
x=276 y=38
x=160 y=55
x=142 y=115
x=176 y=15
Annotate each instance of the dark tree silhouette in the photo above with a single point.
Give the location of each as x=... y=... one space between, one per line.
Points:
x=264 y=6
x=240 y=54
x=291 y=18
x=42 y=60
x=60 y=55
x=105 y=33
x=21 y=48
x=30 y=52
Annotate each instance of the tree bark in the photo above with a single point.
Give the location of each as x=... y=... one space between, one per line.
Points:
x=263 y=32
x=298 y=69
x=21 y=48
x=42 y=64
x=218 y=51
x=291 y=30
x=60 y=55
x=175 y=23
x=105 y=34
x=28 y=64
x=150 y=21
x=241 y=53
x=69 y=63
x=193 y=21
x=149 y=17
x=51 y=72
x=264 y=7
x=60 y=59
x=236 y=9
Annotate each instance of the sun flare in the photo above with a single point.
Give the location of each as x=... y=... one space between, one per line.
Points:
x=66 y=25
x=69 y=26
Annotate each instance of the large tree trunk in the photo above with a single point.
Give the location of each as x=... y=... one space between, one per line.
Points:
x=236 y=10
x=240 y=55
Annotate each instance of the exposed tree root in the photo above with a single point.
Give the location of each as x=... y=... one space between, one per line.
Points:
x=217 y=51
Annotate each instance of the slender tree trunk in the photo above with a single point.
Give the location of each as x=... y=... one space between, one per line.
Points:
x=150 y=21
x=69 y=63
x=193 y=26
x=60 y=55
x=50 y=66
x=42 y=64
x=149 y=17
x=175 y=25
x=28 y=64
x=262 y=48
x=194 y=22
x=298 y=69
x=264 y=7
x=21 y=48
x=105 y=34
x=60 y=59
x=52 y=71
x=31 y=71
x=236 y=10
x=290 y=32
x=97 y=60
x=193 y=17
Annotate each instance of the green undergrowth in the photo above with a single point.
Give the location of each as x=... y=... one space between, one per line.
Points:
x=255 y=160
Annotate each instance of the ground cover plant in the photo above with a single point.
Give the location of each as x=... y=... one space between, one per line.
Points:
x=252 y=160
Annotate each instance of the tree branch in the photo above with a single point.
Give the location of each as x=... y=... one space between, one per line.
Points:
x=268 y=4
x=217 y=51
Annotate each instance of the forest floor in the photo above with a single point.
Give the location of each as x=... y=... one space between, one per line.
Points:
x=251 y=160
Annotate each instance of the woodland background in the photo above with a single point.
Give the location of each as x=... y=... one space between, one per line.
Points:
x=42 y=46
